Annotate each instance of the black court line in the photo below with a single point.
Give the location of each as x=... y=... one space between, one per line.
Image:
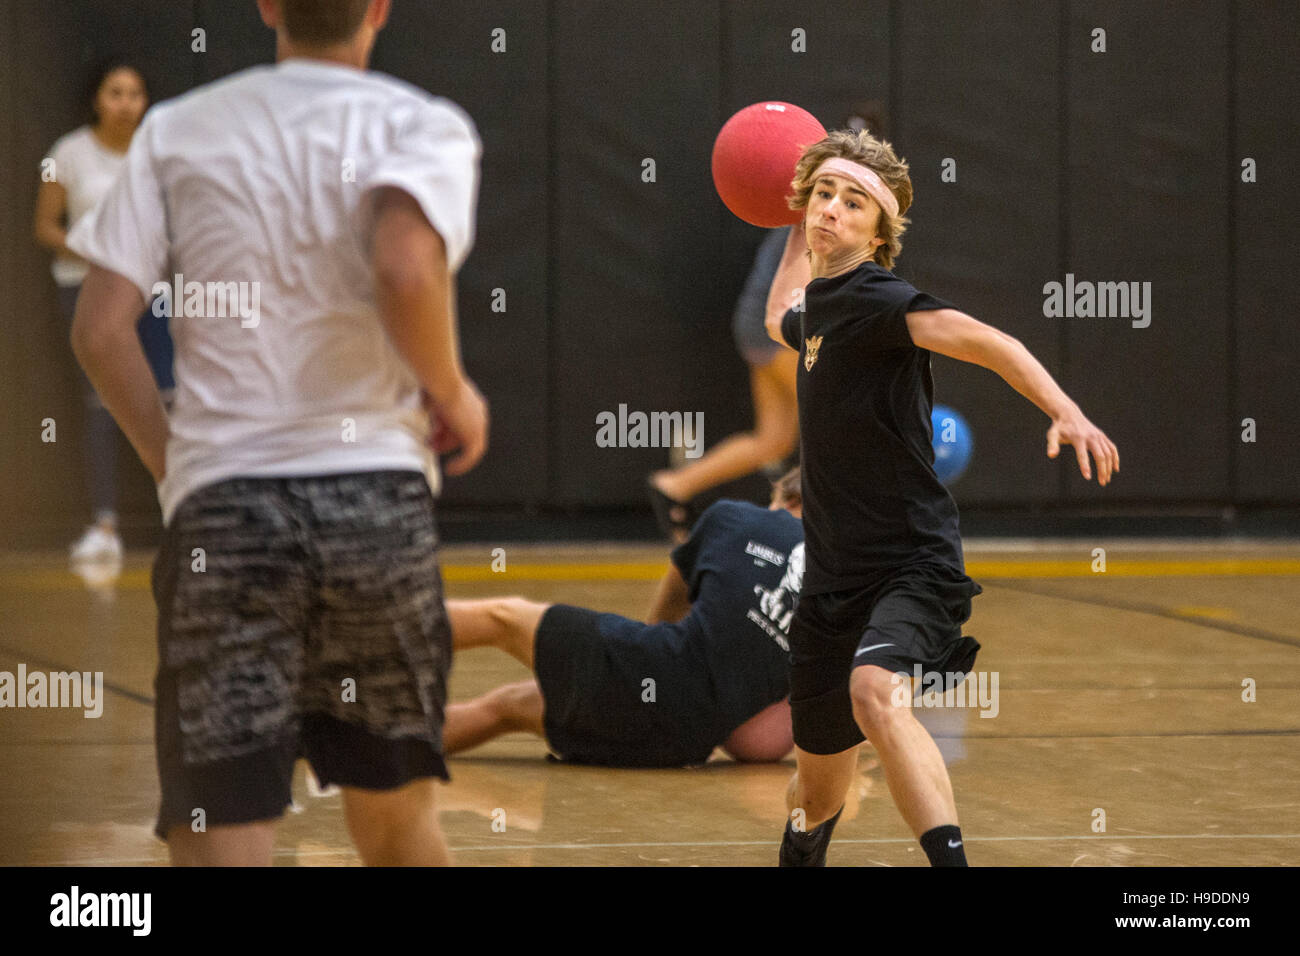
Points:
x=1153 y=609
x=56 y=666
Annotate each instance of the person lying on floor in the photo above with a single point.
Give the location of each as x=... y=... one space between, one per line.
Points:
x=709 y=667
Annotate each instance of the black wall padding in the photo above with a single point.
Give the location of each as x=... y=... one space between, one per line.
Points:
x=447 y=49
x=987 y=241
x=236 y=38
x=1268 y=304
x=1148 y=201
x=1115 y=166
x=639 y=312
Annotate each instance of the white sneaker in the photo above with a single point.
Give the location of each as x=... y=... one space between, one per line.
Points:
x=100 y=577
x=97 y=545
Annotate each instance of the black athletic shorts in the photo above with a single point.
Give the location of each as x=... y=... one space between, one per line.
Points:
x=912 y=616
x=620 y=693
x=297 y=617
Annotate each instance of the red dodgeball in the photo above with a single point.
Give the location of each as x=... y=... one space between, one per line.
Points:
x=754 y=158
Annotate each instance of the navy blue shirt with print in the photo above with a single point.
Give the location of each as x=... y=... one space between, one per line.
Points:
x=742 y=565
x=872 y=502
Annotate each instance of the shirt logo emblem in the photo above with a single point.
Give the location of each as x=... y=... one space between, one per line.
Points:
x=812 y=345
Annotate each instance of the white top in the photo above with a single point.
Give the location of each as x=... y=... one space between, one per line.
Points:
x=85 y=168
x=255 y=187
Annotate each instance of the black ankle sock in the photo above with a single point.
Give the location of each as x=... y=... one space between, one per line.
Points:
x=938 y=845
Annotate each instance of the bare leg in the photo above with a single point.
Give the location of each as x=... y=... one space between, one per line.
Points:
x=914 y=768
x=396 y=827
x=243 y=844
x=508 y=623
x=776 y=430
x=513 y=707
x=820 y=784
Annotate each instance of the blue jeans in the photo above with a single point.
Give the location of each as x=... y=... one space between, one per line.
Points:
x=100 y=445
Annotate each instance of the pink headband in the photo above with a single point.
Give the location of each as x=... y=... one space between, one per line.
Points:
x=873 y=185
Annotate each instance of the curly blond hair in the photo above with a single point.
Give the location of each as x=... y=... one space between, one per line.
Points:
x=859 y=146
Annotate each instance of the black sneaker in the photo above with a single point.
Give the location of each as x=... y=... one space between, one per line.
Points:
x=808 y=849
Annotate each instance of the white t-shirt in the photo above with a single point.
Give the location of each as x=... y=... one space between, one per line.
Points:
x=85 y=168
x=257 y=188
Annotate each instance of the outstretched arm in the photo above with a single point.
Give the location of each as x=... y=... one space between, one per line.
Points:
x=672 y=600
x=957 y=335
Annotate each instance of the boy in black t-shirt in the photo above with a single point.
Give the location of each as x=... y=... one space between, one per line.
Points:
x=885 y=586
x=709 y=667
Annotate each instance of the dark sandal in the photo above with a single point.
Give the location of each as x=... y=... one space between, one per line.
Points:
x=663 y=507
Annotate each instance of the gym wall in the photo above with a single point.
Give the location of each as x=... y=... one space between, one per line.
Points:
x=1122 y=165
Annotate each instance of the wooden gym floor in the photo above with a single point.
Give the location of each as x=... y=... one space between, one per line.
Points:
x=1120 y=702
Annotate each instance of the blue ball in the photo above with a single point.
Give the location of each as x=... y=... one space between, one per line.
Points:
x=952 y=443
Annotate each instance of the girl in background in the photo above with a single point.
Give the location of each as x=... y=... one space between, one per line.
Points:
x=85 y=163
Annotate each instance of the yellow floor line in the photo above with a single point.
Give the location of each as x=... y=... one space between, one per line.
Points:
x=1081 y=567
x=1026 y=569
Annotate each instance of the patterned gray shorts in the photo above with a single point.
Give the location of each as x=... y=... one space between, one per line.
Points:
x=297 y=617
